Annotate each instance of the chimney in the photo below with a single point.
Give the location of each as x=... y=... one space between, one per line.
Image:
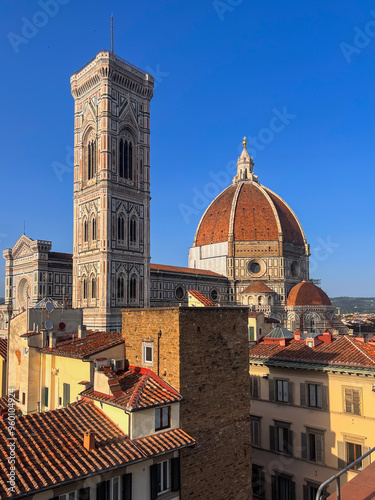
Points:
x=52 y=340
x=89 y=440
x=297 y=335
x=81 y=331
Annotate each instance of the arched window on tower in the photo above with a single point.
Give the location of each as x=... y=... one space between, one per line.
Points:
x=121 y=228
x=85 y=232
x=91 y=159
x=126 y=159
x=133 y=230
x=84 y=288
x=93 y=288
x=120 y=287
x=133 y=288
x=94 y=229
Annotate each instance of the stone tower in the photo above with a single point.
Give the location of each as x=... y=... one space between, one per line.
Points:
x=111 y=240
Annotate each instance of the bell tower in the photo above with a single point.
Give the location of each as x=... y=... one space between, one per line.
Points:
x=111 y=240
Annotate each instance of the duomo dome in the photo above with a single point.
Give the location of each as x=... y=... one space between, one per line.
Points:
x=249 y=233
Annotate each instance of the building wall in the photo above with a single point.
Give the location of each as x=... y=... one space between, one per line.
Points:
x=203 y=353
x=336 y=425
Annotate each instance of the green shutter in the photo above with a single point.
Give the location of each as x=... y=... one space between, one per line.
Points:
x=127 y=487
x=272 y=438
x=154 y=481
x=251 y=333
x=290 y=392
x=302 y=392
x=319 y=447
x=290 y=442
x=66 y=394
x=101 y=491
x=304 y=445
x=46 y=396
x=175 y=474
x=325 y=400
x=272 y=389
x=84 y=494
x=341 y=455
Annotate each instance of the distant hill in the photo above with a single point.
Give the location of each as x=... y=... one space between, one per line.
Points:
x=363 y=305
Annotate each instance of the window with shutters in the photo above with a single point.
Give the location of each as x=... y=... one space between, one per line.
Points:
x=281 y=438
x=283 y=488
x=312 y=445
x=350 y=450
x=69 y=496
x=165 y=476
x=352 y=400
x=258 y=481
x=251 y=333
x=310 y=490
x=254 y=387
x=255 y=430
x=116 y=488
x=281 y=391
x=314 y=395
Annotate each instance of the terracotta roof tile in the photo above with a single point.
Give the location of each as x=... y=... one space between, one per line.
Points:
x=202 y=299
x=343 y=351
x=73 y=347
x=183 y=270
x=307 y=294
x=50 y=447
x=136 y=389
x=258 y=287
x=254 y=218
x=3 y=348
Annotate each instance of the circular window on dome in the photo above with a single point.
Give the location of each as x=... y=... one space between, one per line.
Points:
x=214 y=294
x=295 y=269
x=256 y=267
x=179 y=292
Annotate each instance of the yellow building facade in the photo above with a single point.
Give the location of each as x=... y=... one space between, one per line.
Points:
x=312 y=411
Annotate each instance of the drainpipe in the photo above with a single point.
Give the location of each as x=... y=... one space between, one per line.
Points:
x=159 y=335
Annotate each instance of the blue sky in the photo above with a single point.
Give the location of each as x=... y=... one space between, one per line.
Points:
x=223 y=69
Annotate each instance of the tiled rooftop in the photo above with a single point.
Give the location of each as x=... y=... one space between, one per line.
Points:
x=135 y=389
x=202 y=299
x=183 y=270
x=50 y=447
x=342 y=352
x=307 y=294
x=3 y=348
x=71 y=346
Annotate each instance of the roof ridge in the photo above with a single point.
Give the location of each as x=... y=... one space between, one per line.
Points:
x=355 y=344
x=139 y=390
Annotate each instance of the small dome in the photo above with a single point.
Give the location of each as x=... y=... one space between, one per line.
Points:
x=307 y=294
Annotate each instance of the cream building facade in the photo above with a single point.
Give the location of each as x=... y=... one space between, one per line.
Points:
x=312 y=412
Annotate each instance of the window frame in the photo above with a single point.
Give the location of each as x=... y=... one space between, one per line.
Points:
x=357 y=467
x=284 y=383
x=309 y=402
x=255 y=422
x=145 y=346
x=352 y=403
x=160 y=414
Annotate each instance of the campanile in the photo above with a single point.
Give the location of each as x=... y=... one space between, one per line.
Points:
x=111 y=240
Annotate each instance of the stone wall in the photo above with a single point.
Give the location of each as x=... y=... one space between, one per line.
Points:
x=203 y=352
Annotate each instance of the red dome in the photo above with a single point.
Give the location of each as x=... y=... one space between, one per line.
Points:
x=307 y=294
x=249 y=212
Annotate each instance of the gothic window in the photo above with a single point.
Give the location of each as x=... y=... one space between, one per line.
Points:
x=84 y=288
x=126 y=159
x=133 y=230
x=94 y=229
x=133 y=288
x=91 y=159
x=93 y=288
x=120 y=287
x=85 y=232
x=121 y=228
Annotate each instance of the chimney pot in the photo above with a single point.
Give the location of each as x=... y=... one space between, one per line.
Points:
x=81 y=331
x=89 y=440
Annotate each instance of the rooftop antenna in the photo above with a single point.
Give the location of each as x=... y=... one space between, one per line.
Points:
x=112 y=33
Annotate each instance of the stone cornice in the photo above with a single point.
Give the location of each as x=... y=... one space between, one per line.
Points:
x=108 y=67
